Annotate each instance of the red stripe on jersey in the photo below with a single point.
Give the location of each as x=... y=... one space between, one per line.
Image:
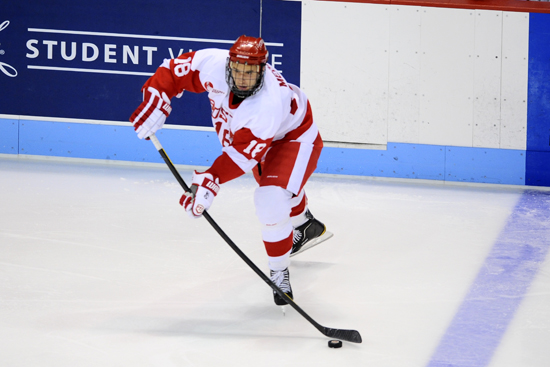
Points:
x=225 y=169
x=293 y=106
x=278 y=248
x=304 y=126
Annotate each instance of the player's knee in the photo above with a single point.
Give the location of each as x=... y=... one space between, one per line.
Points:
x=272 y=204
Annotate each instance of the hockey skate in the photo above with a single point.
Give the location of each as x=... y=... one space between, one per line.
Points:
x=309 y=234
x=281 y=280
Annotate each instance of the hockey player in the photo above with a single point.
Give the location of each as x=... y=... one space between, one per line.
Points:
x=264 y=124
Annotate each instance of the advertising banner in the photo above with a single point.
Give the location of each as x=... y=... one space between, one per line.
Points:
x=88 y=60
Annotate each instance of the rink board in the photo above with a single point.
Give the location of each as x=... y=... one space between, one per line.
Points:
x=200 y=148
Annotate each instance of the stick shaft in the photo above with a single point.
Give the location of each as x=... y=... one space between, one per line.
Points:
x=348 y=335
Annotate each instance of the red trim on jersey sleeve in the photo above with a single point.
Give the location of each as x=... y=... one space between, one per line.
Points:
x=225 y=169
x=185 y=78
x=178 y=78
x=162 y=81
x=246 y=147
x=249 y=145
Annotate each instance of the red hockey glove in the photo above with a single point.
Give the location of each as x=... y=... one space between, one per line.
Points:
x=204 y=189
x=151 y=113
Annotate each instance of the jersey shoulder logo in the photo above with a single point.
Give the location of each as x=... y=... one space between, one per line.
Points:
x=210 y=88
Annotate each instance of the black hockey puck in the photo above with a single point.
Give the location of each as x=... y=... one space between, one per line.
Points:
x=335 y=344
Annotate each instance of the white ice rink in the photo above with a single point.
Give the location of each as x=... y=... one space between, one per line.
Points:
x=100 y=266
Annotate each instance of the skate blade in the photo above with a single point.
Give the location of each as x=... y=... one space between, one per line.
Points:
x=314 y=242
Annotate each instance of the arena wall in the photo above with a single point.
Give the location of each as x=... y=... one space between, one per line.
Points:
x=403 y=90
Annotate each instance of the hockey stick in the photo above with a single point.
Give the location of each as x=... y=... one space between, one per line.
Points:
x=347 y=335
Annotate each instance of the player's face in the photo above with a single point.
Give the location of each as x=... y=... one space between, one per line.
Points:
x=245 y=76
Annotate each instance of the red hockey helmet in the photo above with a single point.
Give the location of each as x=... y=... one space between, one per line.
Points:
x=248 y=50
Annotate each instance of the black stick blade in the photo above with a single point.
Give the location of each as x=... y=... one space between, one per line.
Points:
x=347 y=335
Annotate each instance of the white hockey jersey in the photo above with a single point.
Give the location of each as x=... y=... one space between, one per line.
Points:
x=278 y=112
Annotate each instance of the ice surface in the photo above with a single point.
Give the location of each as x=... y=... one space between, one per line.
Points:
x=100 y=266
